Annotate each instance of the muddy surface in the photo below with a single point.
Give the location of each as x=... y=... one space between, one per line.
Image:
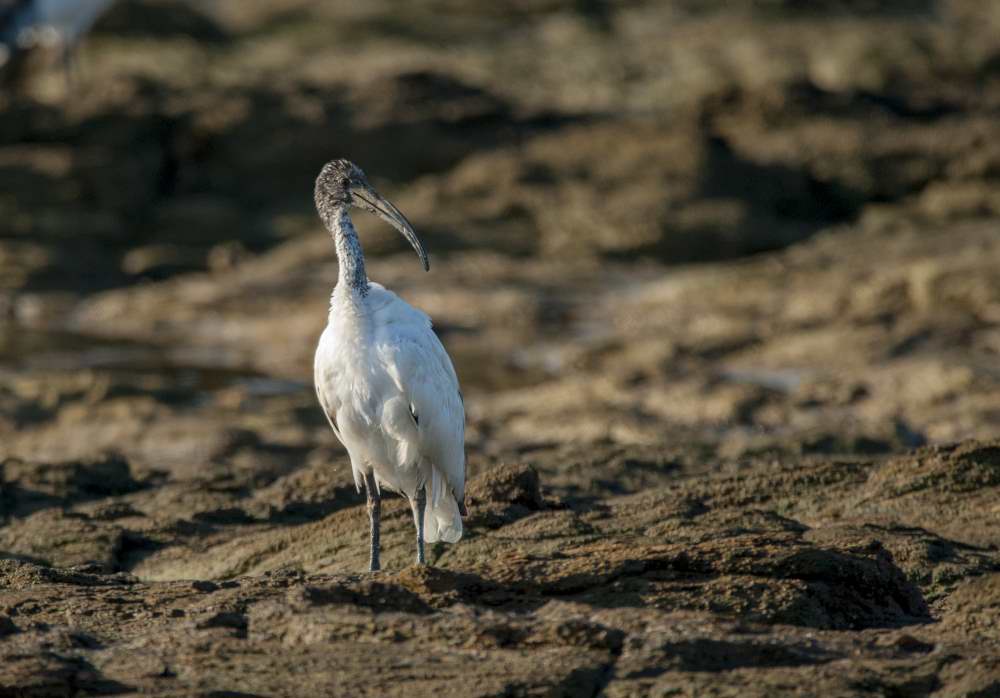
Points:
x=719 y=280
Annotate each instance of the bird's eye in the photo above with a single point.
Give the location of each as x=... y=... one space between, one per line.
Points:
x=346 y=182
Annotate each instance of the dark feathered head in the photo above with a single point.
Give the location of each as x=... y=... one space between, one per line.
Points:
x=342 y=184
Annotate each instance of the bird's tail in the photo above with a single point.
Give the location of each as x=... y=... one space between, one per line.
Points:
x=443 y=522
x=442 y=518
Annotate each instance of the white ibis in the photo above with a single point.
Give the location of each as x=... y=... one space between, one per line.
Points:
x=26 y=25
x=383 y=378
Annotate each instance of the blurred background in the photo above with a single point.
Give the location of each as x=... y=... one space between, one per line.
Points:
x=661 y=232
x=719 y=279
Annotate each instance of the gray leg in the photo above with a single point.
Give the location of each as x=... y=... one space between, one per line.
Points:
x=69 y=68
x=375 y=516
x=419 y=504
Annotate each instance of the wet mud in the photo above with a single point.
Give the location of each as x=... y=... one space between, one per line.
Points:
x=719 y=281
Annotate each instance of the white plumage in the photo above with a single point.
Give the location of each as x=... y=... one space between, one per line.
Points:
x=389 y=390
x=384 y=379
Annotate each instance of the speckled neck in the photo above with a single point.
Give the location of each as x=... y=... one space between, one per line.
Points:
x=349 y=254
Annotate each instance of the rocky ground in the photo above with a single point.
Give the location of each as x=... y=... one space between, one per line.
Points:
x=720 y=284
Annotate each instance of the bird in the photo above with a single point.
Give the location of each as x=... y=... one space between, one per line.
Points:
x=384 y=380
x=27 y=25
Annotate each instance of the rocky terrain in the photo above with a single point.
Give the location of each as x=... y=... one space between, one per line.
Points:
x=719 y=280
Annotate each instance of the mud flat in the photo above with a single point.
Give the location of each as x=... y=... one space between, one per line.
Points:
x=725 y=310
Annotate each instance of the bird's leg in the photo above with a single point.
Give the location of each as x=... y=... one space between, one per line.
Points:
x=69 y=65
x=375 y=516
x=419 y=505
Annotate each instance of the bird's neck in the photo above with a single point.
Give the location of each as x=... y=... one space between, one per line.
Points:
x=352 y=280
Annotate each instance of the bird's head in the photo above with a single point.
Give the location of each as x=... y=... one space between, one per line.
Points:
x=342 y=184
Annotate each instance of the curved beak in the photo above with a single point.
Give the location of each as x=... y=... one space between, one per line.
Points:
x=370 y=200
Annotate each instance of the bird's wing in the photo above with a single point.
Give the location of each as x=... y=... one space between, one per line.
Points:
x=413 y=355
x=330 y=403
x=329 y=409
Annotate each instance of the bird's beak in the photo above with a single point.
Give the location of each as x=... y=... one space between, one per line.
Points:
x=370 y=200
